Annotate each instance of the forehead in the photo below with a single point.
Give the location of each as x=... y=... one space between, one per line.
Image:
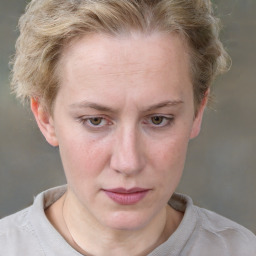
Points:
x=129 y=50
x=134 y=62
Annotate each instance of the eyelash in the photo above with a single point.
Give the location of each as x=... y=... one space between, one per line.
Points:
x=87 y=122
x=167 y=120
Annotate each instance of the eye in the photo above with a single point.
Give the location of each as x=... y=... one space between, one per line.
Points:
x=157 y=120
x=95 y=121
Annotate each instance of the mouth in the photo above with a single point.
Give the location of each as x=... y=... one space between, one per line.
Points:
x=126 y=196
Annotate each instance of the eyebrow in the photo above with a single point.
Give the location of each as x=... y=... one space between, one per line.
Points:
x=164 y=104
x=99 y=107
x=96 y=106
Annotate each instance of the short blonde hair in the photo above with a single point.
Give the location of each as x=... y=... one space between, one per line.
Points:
x=48 y=25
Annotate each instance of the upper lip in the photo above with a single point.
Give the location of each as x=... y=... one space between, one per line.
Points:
x=126 y=191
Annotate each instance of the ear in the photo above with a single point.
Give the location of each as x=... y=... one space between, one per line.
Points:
x=199 y=117
x=44 y=121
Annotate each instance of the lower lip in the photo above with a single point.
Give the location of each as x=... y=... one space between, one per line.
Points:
x=126 y=198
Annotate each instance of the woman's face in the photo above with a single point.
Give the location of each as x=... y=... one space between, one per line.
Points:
x=123 y=118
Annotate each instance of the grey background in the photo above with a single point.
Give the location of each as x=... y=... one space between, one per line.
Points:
x=220 y=171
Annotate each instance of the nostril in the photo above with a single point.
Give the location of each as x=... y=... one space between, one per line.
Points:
x=127 y=162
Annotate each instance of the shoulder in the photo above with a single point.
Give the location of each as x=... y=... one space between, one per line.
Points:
x=226 y=233
x=14 y=224
x=203 y=232
x=29 y=232
x=16 y=233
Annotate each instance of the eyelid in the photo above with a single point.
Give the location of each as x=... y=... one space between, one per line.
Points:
x=85 y=121
x=169 y=119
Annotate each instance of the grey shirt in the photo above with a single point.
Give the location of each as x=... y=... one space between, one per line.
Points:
x=201 y=232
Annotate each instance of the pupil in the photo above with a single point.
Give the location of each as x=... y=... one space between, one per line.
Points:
x=96 y=121
x=157 y=119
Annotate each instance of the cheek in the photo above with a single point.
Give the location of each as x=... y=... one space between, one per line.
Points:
x=171 y=153
x=168 y=162
x=82 y=157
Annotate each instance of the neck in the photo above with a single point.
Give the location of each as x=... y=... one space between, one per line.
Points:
x=85 y=234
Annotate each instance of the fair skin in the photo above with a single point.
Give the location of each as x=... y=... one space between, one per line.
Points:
x=122 y=118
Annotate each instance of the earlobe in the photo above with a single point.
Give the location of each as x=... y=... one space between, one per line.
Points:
x=44 y=121
x=199 y=117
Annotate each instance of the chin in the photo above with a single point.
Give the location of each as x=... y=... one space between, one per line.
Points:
x=127 y=220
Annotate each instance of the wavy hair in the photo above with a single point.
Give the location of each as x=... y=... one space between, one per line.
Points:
x=48 y=25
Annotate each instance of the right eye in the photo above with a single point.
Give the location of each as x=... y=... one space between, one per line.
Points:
x=96 y=121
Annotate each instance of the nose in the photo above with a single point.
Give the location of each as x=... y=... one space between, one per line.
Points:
x=128 y=152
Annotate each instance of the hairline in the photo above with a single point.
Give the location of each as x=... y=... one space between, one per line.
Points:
x=124 y=35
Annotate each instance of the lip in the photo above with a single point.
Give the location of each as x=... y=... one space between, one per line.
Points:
x=126 y=196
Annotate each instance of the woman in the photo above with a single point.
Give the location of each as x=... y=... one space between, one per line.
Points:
x=120 y=87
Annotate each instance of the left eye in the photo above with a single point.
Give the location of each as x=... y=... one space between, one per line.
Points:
x=160 y=120
x=157 y=120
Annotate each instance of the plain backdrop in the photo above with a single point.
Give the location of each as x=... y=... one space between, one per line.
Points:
x=220 y=172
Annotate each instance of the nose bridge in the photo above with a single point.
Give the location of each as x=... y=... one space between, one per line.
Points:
x=128 y=155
